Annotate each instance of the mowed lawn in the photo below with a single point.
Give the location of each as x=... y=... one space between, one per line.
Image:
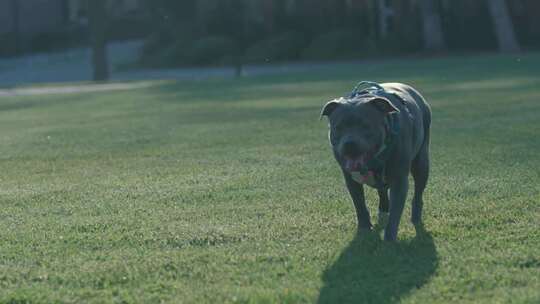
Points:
x=225 y=191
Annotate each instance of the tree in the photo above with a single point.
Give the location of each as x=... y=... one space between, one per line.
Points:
x=431 y=25
x=406 y=30
x=268 y=9
x=203 y=13
x=384 y=13
x=504 y=29
x=98 y=31
x=16 y=27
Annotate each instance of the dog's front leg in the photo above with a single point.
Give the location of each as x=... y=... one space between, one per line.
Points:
x=398 y=195
x=357 y=194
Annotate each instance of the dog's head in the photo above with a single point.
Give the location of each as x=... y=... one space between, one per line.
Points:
x=357 y=128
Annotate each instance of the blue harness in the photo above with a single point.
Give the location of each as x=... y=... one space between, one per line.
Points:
x=374 y=171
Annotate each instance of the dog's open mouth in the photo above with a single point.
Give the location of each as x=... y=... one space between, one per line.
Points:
x=355 y=164
x=359 y=169
x=359 y=163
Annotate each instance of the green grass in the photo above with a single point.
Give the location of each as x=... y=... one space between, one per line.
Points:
x=226 y=191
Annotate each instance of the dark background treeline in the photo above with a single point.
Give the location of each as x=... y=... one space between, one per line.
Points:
x=224 y=32
x=217 y=31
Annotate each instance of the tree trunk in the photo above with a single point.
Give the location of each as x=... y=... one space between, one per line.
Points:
x=98 y=26
x=384 y=13
x=339 y=13
x=204 y=10
x=504 y=28
x=432 y=29
x=16 y=27
x=268 y=15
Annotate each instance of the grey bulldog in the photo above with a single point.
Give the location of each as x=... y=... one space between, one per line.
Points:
x=378 y=135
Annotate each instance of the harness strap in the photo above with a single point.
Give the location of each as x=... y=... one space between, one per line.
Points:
x=368 y=87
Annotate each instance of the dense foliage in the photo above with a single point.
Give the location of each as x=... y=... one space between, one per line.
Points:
x=217 y=32
x=280 y=30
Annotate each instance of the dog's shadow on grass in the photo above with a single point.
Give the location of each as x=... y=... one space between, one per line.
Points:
x=373 y=271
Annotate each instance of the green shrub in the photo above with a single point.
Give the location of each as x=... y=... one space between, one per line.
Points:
x=185 y=52
x=164 y=44
x=343 y=43
x=153 y=48
x=149 y=47
x=132 y=26
x=8 y=46
x=210 y=50
x=62 y=39
x=282 y=47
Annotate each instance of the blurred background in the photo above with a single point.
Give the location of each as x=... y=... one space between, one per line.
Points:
x=78 y=40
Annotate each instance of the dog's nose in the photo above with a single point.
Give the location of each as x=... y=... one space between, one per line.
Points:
x=350 y=149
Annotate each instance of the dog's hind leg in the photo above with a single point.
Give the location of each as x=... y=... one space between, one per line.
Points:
x=420 y=173
x=383 y=205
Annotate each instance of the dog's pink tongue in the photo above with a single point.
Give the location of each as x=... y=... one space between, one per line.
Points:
x=349 y=164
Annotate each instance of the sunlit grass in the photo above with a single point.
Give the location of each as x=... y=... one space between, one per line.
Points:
x=226 y=191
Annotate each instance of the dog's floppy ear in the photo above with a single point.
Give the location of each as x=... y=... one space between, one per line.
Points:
x=330 y=106
x=384 y=105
